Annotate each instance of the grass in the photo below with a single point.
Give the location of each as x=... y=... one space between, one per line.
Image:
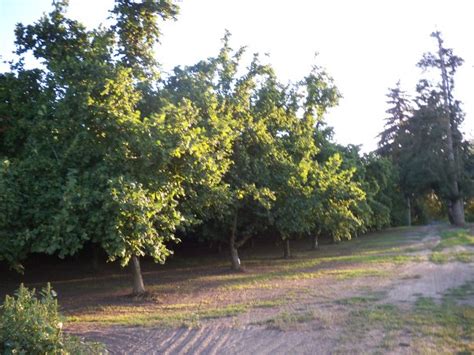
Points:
x=362 y=265
x=364 y=257
x=438 y=327
x=450 y=325
x=338 y=288
x=453 y=238
x=76 y=345
x=310 y=268
x=361 y=300
x=269 y=280
x=313 y=266
x=461 y=293
x=439 y=258
x=464 y=257
x=287 y=320
x=158 y=317
x=443 y=251
x=278 y=285
x=175 y=315
x=191 y=314
x=443 y=258
x=313 y=289
x=269 y=303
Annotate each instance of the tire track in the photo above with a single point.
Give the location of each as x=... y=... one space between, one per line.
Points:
x=209 y=340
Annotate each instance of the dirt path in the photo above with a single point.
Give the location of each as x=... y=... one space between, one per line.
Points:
x=429 y=280
x=267 y=331
x=213 y=340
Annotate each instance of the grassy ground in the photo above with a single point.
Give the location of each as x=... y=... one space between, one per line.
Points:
x=448 y=249
x=343 y=290
x=272 y=280
x=437 y=326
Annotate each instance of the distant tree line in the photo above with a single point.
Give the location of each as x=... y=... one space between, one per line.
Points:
x=97 y=148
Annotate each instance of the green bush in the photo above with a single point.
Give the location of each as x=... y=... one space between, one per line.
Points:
x=33 y=325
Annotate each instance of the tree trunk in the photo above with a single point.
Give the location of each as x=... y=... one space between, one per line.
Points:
x=137 y=279
x=315 y=244
x=450 y=212
x=457 y=206
x=457 y=212
x=234 y=254
x=408 y=212
x=95 y=258
x=286 y=249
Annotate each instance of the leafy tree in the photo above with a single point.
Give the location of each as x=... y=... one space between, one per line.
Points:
x=271 y=148
x=339 y=197
x=81 y=163
x=377 y=177
x=228 y=210
x=383 y=194
x=298 y=179
x=314 y=192
x=137 y=28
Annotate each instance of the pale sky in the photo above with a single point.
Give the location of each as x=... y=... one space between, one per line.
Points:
x=366 y=45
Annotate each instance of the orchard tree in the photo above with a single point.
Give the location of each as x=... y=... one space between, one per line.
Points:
x=338 y=197
x=382 y=194
x=297 y=178
x=235 y=207
x=80 y=162
x=377 y=178
x=137 y=32
x=290 y=163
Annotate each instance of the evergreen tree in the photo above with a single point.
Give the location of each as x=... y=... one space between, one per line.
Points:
x=450 y=118
x=425 y=143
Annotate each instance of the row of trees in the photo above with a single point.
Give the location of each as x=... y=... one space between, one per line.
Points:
x=98 y=148
x=422 y=138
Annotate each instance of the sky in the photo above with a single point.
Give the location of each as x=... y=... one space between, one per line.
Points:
x=365 y=45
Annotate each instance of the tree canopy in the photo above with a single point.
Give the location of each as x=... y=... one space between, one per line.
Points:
x=97 y=146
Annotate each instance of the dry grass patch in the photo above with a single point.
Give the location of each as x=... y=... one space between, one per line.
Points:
x=288 y=320
x=446 y=326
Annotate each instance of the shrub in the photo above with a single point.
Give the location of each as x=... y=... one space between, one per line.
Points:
x=33 y=325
